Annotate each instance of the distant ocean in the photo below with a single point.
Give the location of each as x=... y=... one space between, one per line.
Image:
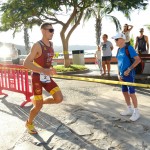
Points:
x=92 y=52
x=87 y=53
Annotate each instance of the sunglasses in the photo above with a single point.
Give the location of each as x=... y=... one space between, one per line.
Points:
x=117 y=39
x=50 y=30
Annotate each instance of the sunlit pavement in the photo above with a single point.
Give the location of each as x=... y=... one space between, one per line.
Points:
x=87 y=119
x=94 y=72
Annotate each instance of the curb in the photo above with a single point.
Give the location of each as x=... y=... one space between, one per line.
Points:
x=138 y=78
x=74 y=72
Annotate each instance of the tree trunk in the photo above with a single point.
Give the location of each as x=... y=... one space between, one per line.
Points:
x=65 y=39
x=98 y=30
x=66 y=54
x=65 y=49
x=26 y=40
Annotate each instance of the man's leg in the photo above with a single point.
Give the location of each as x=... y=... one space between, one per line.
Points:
x=126 y=95
x=55 y=99
x=134 y=100
x=136 y=114
x=55 y=92
x=37 y=105
x=127 y=98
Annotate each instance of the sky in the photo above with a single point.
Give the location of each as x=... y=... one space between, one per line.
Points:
x=85 y=35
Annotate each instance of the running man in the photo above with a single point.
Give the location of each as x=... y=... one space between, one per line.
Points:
x=39 y=60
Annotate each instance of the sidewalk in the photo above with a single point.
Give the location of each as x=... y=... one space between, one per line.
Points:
x=94 y=72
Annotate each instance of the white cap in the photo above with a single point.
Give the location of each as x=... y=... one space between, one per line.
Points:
x=119 y=36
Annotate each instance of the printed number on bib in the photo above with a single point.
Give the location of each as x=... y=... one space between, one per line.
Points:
x=44 y=78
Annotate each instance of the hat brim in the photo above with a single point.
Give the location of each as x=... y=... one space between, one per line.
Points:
x=116 y=37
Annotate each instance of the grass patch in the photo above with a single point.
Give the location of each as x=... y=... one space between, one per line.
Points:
x=61 y=68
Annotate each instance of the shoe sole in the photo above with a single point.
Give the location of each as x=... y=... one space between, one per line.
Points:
x=30 y=132
x=126 y=115
x=135 y=120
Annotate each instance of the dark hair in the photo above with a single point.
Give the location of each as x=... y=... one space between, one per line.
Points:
x=45 y=24
x=98 y=47
x=105 y=35
x=126 y=25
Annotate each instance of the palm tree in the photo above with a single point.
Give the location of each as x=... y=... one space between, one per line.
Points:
x=99 y=11
x=26 y=40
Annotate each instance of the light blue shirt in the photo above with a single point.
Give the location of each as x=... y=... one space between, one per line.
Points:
x=106 y=48
x=123 y=60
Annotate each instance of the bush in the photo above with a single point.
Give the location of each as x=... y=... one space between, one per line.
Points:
x=61 y=68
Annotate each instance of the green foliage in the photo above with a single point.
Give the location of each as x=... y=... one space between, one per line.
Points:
x=25 y=12
x=61 y=68
x=16 y=14
x=132 y=41
x=56 y=54
x=126 y=6
x=99 y=11
x=20 y=14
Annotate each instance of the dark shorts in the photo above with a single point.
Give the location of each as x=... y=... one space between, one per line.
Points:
x=105 y=58
x=129 y=89
x=37 y=86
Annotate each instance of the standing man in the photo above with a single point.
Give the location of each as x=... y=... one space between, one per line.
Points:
x=39 y=60
x=142 y=42
x=126 y=73
x=107 y=48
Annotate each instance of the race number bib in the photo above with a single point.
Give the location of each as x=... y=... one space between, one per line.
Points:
x=44 y=78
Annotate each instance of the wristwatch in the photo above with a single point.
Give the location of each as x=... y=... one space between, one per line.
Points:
x=129 y=69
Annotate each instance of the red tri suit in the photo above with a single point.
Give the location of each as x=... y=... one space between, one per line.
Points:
x=44 y=61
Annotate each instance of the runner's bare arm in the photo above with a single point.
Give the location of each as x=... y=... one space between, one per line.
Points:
x=28 y=62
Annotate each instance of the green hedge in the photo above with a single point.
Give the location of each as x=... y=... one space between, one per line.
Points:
x=61 y=68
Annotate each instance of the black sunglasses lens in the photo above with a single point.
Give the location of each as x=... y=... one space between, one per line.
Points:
x=51 y=30
x=116 y=39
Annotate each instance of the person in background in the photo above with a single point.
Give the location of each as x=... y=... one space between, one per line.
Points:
x=106 y=47
x=126 y=73
x=19 y=52
x=39 y=60
x=98 y=58
x=15 y=56
x=142 y=42
x=126 y=31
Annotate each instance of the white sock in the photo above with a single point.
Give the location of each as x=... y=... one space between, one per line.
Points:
x=135 y=109
x=129 y=107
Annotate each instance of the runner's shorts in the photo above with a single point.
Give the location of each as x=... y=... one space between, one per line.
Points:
x=37 y=86
x=129 y=89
